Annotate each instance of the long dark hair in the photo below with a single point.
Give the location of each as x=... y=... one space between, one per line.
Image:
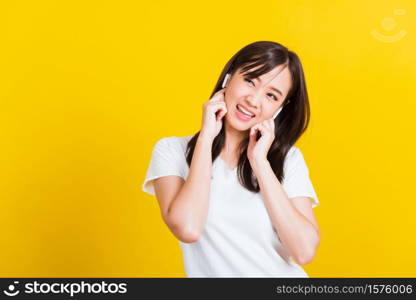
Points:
x=290 y=124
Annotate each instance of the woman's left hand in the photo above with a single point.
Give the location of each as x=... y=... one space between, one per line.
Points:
x=257 y=150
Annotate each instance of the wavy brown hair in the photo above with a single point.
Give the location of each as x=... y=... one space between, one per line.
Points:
x=291 y=123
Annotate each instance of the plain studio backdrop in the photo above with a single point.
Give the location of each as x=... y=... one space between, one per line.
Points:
x=88 y=87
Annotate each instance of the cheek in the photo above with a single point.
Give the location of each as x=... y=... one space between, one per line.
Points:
x=235 y=92
x=230 y=97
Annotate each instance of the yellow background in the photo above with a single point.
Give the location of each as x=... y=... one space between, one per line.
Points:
x=88 y=87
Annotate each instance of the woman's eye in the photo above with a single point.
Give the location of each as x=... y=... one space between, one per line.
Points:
x=274 y=97
x=248 y=80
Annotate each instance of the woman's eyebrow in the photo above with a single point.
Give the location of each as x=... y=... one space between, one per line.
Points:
x=275 y=89
x=272 y=87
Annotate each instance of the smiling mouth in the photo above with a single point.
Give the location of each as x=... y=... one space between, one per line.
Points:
x=243 y=111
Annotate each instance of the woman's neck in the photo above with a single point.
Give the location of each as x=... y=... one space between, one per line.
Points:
x=233 y=139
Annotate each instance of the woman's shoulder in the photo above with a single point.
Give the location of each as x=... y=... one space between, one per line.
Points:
x=293 y=152
x=178 y=143
x=292 y=156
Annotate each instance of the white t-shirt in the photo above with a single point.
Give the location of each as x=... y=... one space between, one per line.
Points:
x=238 y=239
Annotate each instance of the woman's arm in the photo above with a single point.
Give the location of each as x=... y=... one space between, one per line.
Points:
x=298 y=234
x=184 y=204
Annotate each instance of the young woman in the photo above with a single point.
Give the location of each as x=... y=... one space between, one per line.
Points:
x=237 y=194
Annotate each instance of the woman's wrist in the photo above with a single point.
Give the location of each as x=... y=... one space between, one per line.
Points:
x=258 y=165
x=205 y=139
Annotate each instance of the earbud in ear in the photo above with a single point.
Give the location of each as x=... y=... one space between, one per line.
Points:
x=278 y=111
x=224 y=83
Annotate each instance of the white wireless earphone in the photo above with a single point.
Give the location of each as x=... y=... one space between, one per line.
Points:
x=224 y=83
x=276 y=113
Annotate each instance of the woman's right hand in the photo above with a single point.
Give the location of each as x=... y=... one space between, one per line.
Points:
x=211 y=122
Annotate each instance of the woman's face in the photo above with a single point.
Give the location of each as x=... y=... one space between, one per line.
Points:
x=252 y=101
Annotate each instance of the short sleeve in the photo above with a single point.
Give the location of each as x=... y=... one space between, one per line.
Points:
x=296 y=180
x=167 y=159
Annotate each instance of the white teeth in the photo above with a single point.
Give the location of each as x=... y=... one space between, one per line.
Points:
x=244 y=111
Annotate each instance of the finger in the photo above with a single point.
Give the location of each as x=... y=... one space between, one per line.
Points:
x=272 y=125
x=254 y=132
x=265 y=130
x=218 y=95
x=221 y=110
x=268 y=124
x=218 y=105
x=265 y=123
x=220 y=101
x=215 y=106
x=221 y=113
x=253 y=136
x=260 y=127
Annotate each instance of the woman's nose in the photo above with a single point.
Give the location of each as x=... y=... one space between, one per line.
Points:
x=254 y=98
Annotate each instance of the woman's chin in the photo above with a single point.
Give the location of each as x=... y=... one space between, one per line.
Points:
x=237 y=124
